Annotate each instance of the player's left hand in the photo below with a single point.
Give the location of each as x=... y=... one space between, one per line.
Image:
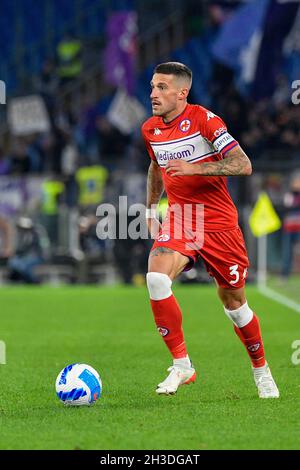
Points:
x=180 y=168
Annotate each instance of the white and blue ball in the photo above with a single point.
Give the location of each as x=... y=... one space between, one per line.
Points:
x=78 y=384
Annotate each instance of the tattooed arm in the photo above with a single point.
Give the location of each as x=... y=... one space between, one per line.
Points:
x=155 y=184
x=236 y=163
x=155 y=189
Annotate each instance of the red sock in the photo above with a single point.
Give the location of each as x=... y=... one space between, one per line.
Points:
x=250 y=335
x=168 y=319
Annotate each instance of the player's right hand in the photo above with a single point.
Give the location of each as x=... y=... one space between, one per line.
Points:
x=154 y=226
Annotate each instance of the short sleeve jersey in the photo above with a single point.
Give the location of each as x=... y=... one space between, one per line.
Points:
x=197 y=135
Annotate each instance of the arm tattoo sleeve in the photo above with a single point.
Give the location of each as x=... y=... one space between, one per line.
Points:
x=155 y=185
x=235 y=163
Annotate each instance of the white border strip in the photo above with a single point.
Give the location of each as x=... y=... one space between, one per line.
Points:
x=175 y=141
x=281 y=299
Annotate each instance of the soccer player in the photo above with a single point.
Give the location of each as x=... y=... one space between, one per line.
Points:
x=191 y=154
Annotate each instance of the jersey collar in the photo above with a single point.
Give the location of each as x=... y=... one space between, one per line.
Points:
x=175 y=120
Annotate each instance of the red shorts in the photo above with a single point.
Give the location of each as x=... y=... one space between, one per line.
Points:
x=223 y=253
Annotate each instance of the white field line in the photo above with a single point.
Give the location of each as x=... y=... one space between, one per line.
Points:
x=281 y=299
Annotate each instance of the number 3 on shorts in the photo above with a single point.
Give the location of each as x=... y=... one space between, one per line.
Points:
x=234 y=272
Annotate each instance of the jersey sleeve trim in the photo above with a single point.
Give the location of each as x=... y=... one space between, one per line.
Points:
x=229 y=147
x=222 y=141
x=219 y=136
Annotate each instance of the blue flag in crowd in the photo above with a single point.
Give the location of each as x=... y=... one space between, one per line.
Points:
x=251 y=43
x=238 y=41
x=279 y=20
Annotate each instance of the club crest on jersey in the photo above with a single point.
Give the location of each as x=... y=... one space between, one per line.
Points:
x=164 y=237
x=163 y=331
x=185 y=125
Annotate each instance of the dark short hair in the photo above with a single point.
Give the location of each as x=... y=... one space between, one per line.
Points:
x=174 y=68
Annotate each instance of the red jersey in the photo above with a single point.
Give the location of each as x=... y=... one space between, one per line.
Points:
x=196 y=135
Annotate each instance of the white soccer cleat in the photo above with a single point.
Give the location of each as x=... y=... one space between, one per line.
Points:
x=178 y=376
x=265 y=383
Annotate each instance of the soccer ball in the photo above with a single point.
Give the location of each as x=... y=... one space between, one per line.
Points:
x=78 y=384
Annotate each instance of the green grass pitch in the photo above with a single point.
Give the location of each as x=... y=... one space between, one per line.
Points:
x=112 y=329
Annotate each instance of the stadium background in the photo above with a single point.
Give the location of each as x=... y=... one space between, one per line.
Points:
x=77 y=78
x=71 y=55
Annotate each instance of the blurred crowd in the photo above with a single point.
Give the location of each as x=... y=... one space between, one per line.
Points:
x=268 y=129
